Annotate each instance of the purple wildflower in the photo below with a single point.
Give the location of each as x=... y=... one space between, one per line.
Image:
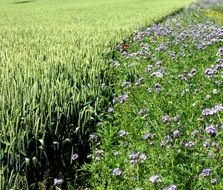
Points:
x=148 y=136
x=116 y=172
x=162 y=47
x=166 y=119
x=206 y=172
x=123 y=98
x=171 y=187
x=143 y=112
x=200 y=46
x=122 y=133
x=111 y=110
x=148 y=68
x=57 y=181
x=220 y=52
x=168 y=139
x=134 y=156
x=211 y=130
x=98 y=154
x=158 y=63
x=213 y=110
x=189 y=144
x=176 y=133
x=183 y=77
x=114 y=100
x=142 y=157
x=75 y=157
x=158 y=74
x=210 y=72
x=137 y=157
x=155 y=179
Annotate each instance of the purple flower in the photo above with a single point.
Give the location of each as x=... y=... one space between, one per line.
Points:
x=183 y=77
x=162 y=47
x=111 y=110
x=171 y=187
x=210 y=72
x=134 y=156
x=189 y=144
x=176 y=133
x=206 y=172
x=155 y=179
x=122 y=133
x=211 y=130
x=212 y=111
x=123 y=98
x=220 y=52
x=57 y=181
x=168 y=139
x=158 y=73
x=158 y=63
x=220 y=33
x=148 y=68
x=137 y=157
x=75 y=157
x=200 y=46
x=142 y=157
x=116 y=172
x=143 y=112
x=114 y=100
x=98 y=154
x=166 y=119
x=148 y=136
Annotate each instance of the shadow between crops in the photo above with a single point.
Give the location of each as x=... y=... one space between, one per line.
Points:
x=23 y=2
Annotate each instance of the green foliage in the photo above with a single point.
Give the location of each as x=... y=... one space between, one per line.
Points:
x=161 y=128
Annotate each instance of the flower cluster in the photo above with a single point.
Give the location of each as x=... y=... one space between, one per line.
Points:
x=137 y=157
x=212 y=111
